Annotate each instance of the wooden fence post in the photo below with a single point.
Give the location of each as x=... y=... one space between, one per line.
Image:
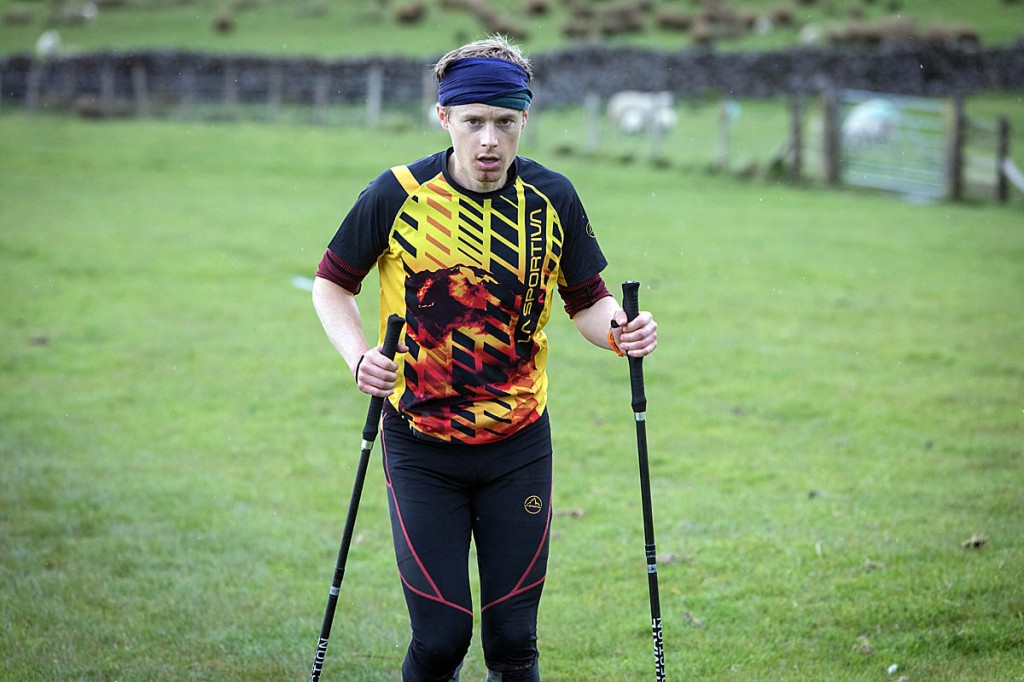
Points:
x=140 y=90
x=33 y=85
x=275 y=87
x=230 y=88
x=188 y=92
x=955 y=149
x=592 y=110
x=320 y=89
x=831 y=144
x=658 y=133
x=724 y=136
x=429 y=98
x=67 y=86
x=1002 y=154
x=374 y=94
x=796 y=137
x=107 y=91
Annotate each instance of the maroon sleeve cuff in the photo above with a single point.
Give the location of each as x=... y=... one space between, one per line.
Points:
x=581 y=296
x=341 y=273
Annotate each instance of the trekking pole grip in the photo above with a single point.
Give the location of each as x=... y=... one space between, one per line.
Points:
x=631 y=304
x=391 y=336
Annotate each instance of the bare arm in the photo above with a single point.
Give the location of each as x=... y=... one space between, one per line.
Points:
x=638 y=338
x=339 y=315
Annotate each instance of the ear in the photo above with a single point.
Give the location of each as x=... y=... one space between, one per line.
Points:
x=442 y=116
x=526 y=115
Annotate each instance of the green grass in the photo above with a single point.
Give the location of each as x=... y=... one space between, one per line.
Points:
x=367 y=26
x=835 y=408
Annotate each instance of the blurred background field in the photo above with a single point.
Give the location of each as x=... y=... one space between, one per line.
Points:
x=717 y=129
x=835 y=419
x=427 y=28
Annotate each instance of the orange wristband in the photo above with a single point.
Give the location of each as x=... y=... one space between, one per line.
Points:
x=611 y=342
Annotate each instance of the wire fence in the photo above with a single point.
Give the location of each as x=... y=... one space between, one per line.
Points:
x=262 y=91
x=917 y=146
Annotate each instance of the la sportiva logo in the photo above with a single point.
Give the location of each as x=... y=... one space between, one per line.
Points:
x=533 y=504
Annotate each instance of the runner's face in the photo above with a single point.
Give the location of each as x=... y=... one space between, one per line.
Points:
x=486 y=141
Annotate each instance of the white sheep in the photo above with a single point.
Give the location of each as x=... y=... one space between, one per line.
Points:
x=871 y=123
x=49 y=44
x=633 y=111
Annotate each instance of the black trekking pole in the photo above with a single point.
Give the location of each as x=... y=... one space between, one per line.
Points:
x=631 y=305
x=394 y=329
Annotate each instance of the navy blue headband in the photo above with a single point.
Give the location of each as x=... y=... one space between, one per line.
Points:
x=485 y=80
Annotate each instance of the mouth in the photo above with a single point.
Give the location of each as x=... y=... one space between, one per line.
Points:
x=488 y=163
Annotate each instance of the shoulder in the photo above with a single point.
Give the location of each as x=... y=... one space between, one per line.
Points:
x=428 y=167
x=546 y=179
x=398 y=182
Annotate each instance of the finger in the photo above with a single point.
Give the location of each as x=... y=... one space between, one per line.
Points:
x=376 y=383
x=376 y=392
x=642 y=319
x=644 y=348
x=380 y=371
x=377 y=362
x=640 y=327
x=399 y=348
x=642 y=342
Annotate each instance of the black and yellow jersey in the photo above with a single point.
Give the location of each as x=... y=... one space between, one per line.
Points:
x=473 y=275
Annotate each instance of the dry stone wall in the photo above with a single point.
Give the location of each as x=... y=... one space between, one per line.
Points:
x=562 y=78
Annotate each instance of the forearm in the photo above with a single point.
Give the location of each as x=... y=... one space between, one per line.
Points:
x=638 y=337
x=341 y=320
x=594 y=322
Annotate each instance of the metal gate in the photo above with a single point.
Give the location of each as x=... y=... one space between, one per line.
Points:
x=893 y=142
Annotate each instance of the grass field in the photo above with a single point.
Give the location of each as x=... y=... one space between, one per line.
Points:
x=360 y=27
x=835 y=420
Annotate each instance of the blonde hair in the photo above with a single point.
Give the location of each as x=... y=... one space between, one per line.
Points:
x=495 y=46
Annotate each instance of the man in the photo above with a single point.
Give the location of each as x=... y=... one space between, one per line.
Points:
x=470 y=245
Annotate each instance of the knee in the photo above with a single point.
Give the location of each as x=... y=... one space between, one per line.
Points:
x=512 y=674
x=435 y=653
x=510 y=648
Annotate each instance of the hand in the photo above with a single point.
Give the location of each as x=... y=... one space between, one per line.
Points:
x=375 y=374
x=638 y=337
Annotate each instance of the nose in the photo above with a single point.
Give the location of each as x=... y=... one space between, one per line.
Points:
x=489 y=135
